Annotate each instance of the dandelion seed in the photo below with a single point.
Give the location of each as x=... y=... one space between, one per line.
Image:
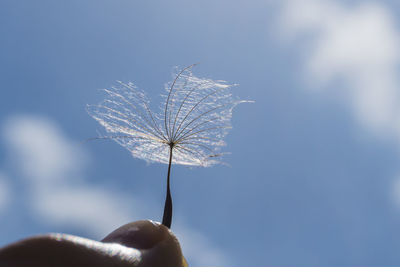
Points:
x=188 y=129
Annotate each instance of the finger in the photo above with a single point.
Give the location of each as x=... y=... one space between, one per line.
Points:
x=157 y=244
x=63 y=250
x=139 y=244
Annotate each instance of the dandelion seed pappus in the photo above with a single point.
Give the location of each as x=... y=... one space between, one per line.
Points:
x=188 y=129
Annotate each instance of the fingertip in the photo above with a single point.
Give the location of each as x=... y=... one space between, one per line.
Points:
x=158 y=245
x=142 y=234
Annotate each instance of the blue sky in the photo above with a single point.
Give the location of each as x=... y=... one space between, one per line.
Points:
x=314 y=178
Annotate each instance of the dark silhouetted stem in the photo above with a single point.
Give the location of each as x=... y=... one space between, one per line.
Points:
x=167 y=217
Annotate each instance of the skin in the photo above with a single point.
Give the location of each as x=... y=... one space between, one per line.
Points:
x=138 y=244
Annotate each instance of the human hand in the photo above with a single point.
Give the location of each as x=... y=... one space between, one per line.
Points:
x=138 y=244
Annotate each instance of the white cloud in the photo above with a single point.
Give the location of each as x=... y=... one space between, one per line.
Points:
x=47 y=155
x=358 y=45
x=93 y=209
x=52 y=166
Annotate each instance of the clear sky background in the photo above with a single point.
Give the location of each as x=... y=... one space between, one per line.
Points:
x=314 y=176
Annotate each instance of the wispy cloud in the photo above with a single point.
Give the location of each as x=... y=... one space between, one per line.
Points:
x=357 y=45
x=47 y=155
x=52 y=166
